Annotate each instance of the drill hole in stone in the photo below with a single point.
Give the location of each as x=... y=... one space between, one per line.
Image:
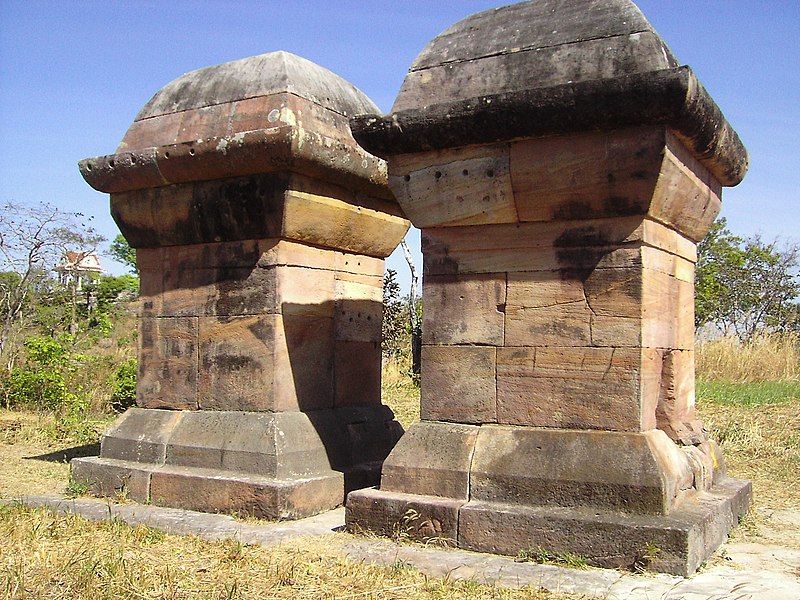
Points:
x=438 y=175
x=465 y=172
x=490 y=173
x=407 y=177
x=166 y=154
x=191 y=151
x=111 y=164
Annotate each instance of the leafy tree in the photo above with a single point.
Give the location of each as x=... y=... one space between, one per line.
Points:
x=32 y=239
x=121 y=251
x=746 y=286
x=109 y=288
x=394 y=322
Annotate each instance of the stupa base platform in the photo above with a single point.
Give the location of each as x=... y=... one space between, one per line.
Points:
x=269 y=465
x=677 y=543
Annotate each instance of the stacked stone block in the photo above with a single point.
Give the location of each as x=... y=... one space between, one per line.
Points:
x=260 y=228
x=562 y=168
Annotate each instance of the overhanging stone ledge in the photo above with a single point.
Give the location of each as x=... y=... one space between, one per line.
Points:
x=284 y=148
x=669 y=97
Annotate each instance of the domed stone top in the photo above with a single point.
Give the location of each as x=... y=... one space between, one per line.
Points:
x=255 y=76
x=550 y=67
x=262 y=114
x=533 y=45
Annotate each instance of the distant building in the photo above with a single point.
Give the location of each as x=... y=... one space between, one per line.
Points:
x=77 y=266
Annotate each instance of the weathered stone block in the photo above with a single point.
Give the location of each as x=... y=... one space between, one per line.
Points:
x=109 y=478
x=569 y=387
x=358 y=320
x=403 y=516
x=684 y=539
x=357 y=371
x=632 y=473
x=603 y=174
x=139 y=435
x=470 y=186
x=167 y=363
x=249 y=443
x=613 y=331
x=667 y=311
x=547 y=308
x=431 y=459
x=205 y=490
x=464 y=309
x=303 y=363
x=305 y=291
x=237 y=369
x=458 y=384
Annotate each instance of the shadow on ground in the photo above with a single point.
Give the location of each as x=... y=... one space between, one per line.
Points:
x=67 y=454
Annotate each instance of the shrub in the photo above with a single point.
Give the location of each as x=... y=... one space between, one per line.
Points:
x=42 y=389
x=124 y=394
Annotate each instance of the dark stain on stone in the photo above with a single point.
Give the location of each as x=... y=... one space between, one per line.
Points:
x=620 y=206
x=572 y=210
x=582 y=236
x=580 y=256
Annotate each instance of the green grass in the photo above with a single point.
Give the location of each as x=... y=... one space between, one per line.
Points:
x=755 y=393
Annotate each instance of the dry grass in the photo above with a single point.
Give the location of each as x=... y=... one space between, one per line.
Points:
x=48 y=556
x=766 y=358
x=32 y=457
x=760 y=443
x=399 y=392
x=749 y=397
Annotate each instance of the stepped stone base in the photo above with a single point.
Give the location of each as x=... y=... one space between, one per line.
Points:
x=619 y=499
x=270 y=465
x=210 y=490
x=677 y=543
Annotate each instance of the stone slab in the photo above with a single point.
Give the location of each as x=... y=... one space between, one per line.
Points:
x=403 y=516
x=140 y=435
x=432 y=458
x=112 y=478
x=459 y=384
x=207 y=490
x=636 y=473
x=676 y=544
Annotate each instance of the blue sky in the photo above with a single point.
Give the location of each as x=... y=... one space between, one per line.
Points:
x=74 y=74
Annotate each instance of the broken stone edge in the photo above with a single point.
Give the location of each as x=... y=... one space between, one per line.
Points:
x=674 y=98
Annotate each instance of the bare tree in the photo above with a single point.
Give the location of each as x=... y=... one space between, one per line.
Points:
x=32 y=240
x=413 y=315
